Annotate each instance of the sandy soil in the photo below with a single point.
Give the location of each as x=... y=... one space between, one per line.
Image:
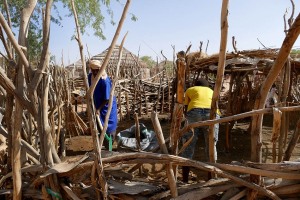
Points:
x=239 y=139
x=239 y=142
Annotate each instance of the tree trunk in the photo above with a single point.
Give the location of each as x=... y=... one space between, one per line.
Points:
x=20 y=84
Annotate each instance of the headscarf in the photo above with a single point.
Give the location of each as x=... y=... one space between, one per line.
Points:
x=96 y=64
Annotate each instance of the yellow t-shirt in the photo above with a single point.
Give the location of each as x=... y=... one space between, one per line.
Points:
x=198 y=97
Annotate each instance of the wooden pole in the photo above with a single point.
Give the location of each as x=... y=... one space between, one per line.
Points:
x=178 y=108
x=163 y=147
x=293 y=142
x=220 y=74
x=137 y=132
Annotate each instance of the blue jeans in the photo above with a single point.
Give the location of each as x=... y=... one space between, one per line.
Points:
x=196 y=115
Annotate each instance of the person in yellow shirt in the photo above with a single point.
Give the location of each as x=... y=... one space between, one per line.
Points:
x=198 y=103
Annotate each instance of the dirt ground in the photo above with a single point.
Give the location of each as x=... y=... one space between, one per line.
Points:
x=239 y=150
x=239 y=141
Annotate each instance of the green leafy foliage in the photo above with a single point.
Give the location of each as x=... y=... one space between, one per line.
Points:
x=90 y=14
x=295 y=51
x=133 y=17
x=34 y=40
x=149 y=61
x=169 y=68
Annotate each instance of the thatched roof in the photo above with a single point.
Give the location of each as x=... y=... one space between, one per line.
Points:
x=130 y=64
x=128 y=58
x=240 y=61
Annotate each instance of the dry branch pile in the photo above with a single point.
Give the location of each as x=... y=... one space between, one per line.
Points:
x=137 y=91
x=136 y=96
x=242 y=61
x=245 y=71
x=125 y=181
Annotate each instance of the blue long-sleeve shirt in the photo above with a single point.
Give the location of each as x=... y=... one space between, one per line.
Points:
x=101 y=94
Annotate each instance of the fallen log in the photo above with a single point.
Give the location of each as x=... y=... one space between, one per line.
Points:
x=260 y=172
x=284 y=166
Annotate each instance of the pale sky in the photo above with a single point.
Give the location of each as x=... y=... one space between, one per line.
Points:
x=163 y=23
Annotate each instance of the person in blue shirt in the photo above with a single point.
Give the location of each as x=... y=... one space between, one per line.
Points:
x=101 y=98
